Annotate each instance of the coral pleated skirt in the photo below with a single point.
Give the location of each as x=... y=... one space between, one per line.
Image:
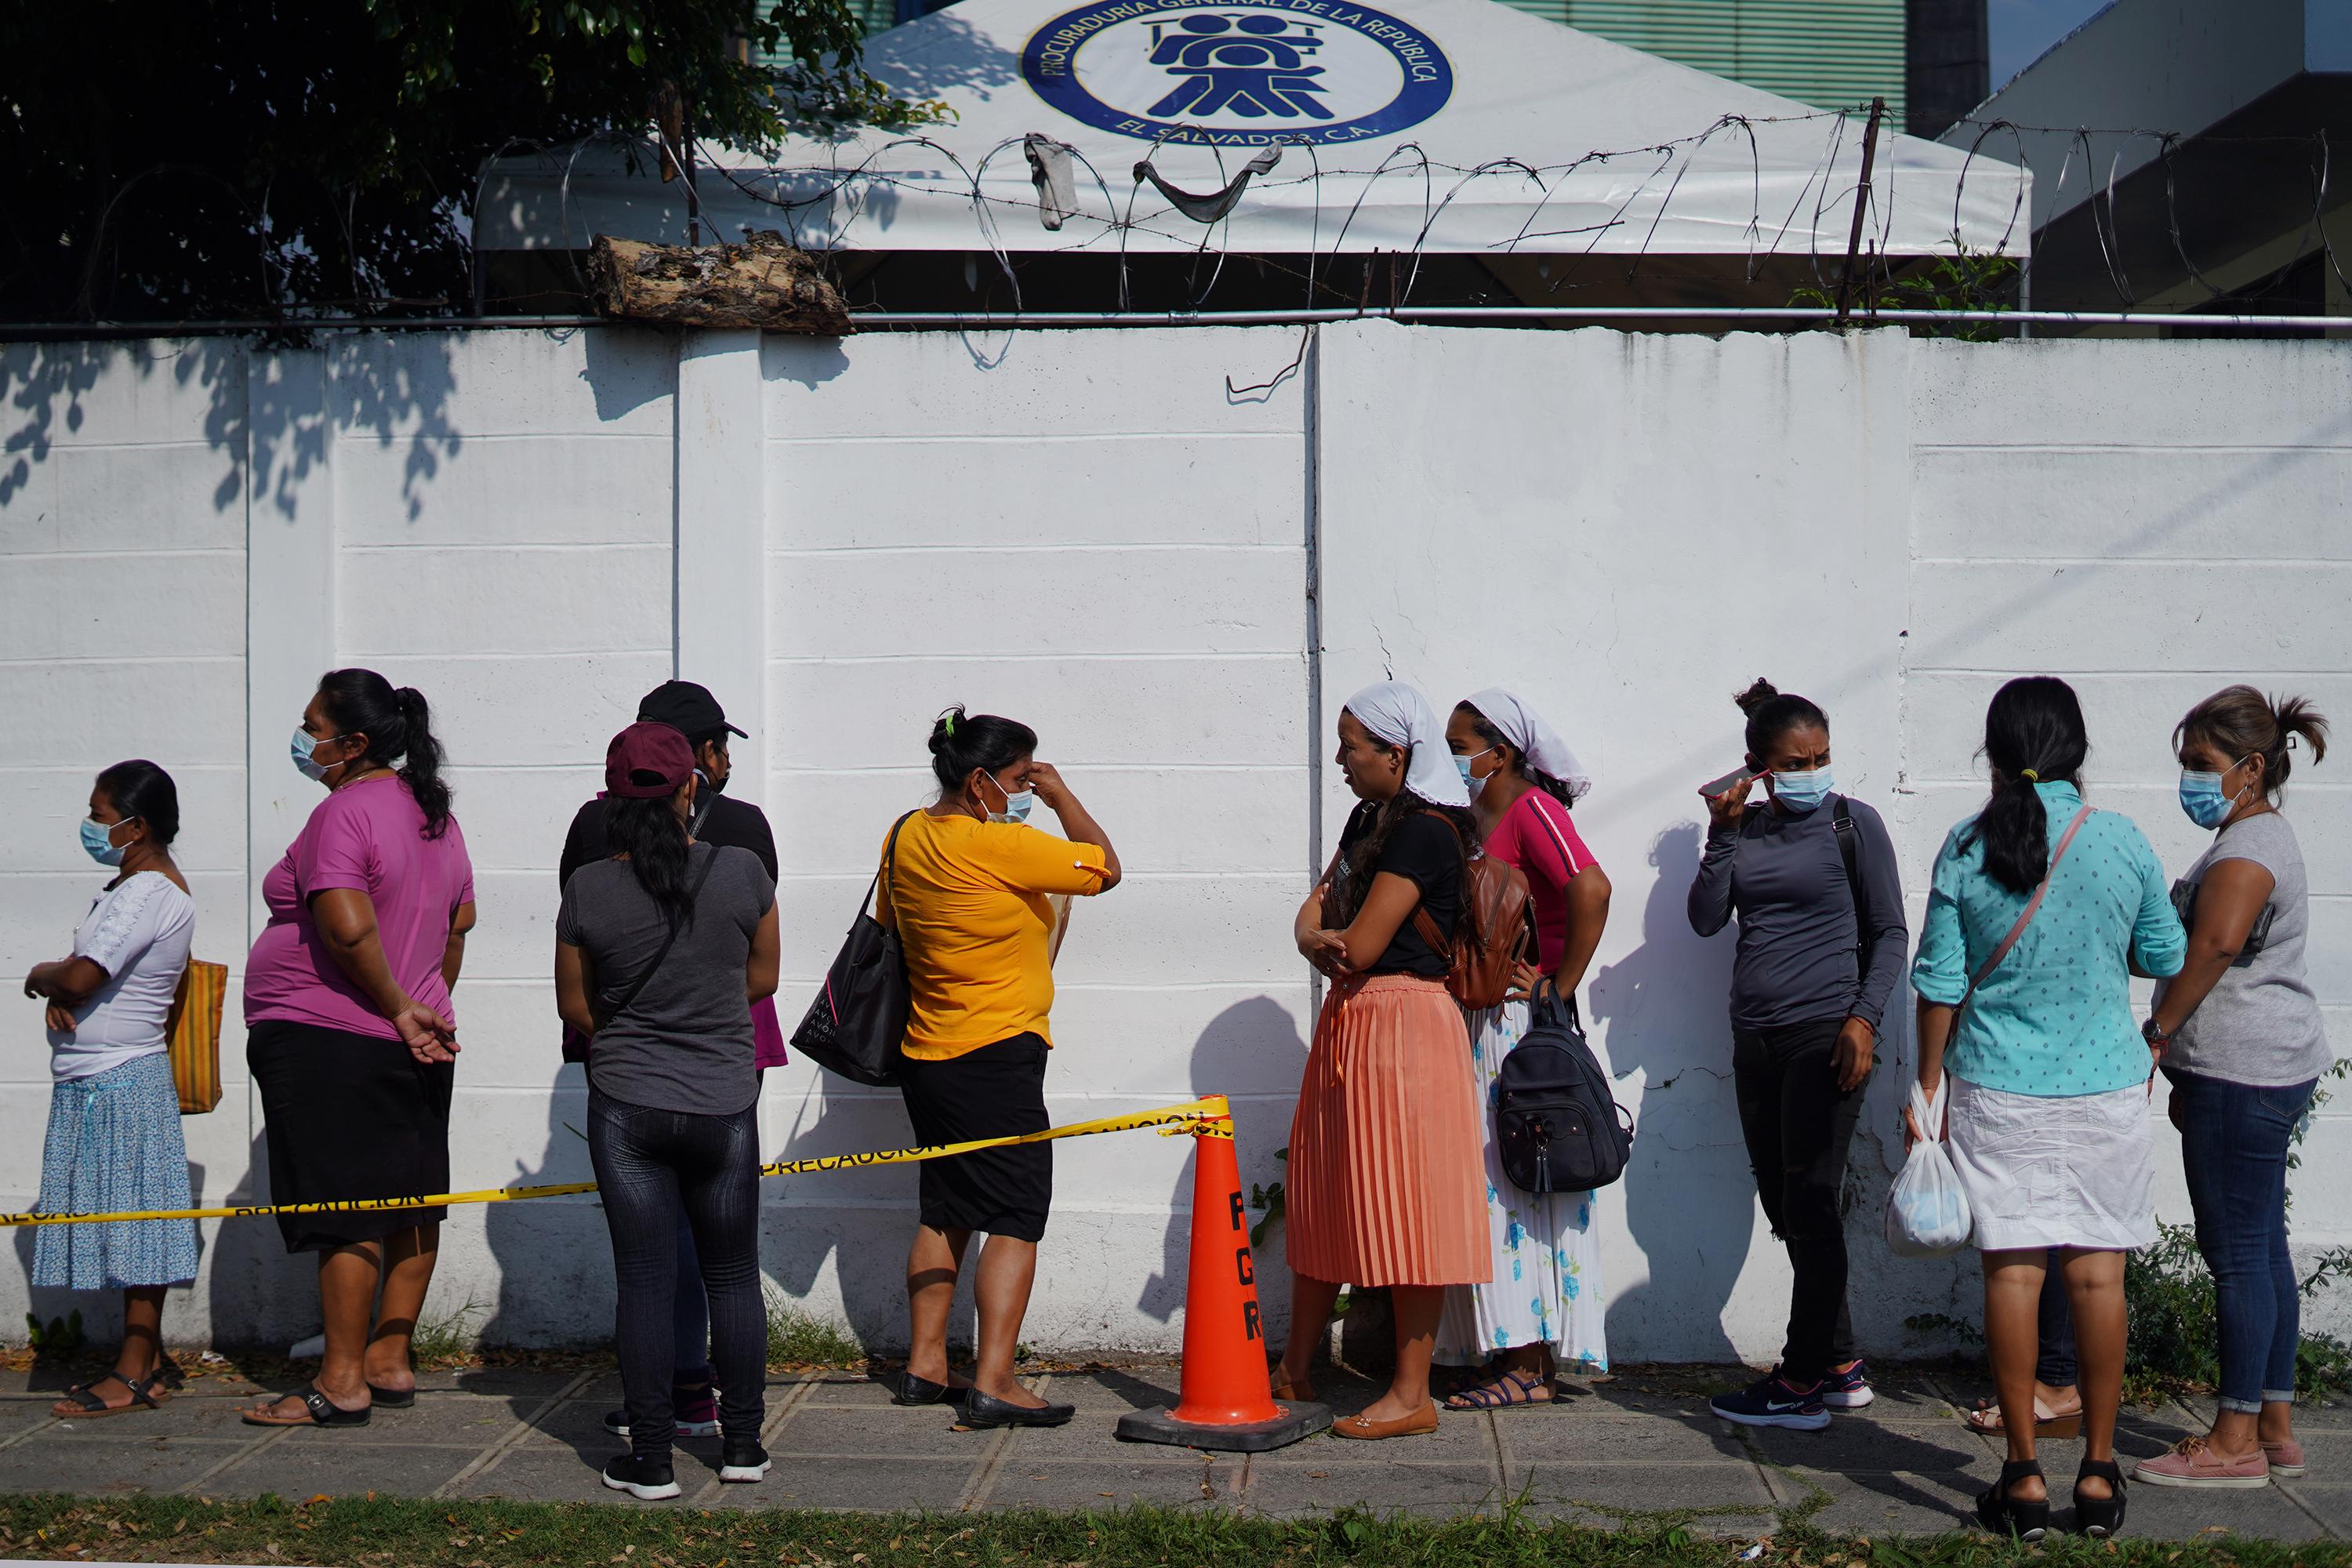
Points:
x=1386 y=1183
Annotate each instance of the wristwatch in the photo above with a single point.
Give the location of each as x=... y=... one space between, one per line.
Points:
x=2156 y=1039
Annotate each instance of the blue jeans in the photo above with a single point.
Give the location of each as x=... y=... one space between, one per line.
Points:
x=649 y=1164
x=2233 y=1145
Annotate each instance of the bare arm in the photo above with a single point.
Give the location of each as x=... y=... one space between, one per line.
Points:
x=1935 y=1026
x=1079 y=824
x=453 y=953
x=1321 y=948
x=346 y=918
x=69 y=982
x=1389 y=904
x=1587 y=916
x=575 y=982
x=2229 y=902
x=767 y=957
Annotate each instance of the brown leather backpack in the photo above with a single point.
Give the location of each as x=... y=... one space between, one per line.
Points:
x=1496 y=933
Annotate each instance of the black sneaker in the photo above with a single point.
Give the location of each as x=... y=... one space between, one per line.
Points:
x=742 y=1461
x=646 y=1480
x=1847 y=1390
x=1768 y=1401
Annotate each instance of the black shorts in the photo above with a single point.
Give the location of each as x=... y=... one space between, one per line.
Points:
x=349 y=1116
x=986 y=1093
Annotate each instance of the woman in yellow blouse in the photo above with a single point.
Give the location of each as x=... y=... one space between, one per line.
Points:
x=967 y=887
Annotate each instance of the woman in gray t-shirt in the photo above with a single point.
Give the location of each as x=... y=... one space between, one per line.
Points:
x=659 y=953
x=2239 y=1035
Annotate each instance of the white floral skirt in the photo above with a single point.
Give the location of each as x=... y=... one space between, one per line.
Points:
x=2042 y=1171
x=1546 y=1252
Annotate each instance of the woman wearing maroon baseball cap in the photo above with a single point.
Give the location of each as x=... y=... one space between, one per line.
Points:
x=660 y=951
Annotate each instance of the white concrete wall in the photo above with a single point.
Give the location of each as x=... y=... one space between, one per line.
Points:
x=1095 y=532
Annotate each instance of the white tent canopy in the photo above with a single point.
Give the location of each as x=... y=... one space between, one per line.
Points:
x=1440 y=125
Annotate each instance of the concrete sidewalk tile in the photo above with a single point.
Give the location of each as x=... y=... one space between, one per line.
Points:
x=453 y=1420
x=1299 y=1487
x=926 y=1430
x=2332 y=1504
x=1904 y=1396
x=576 y=1424
x=866 y=1482
x=1857 y=1444
x=854 y=1393
x=1571 y=1435
x=1093 y=1436
x=543 y=1475
x=1884 y=1502
x=104 y=1467
x=1115 y=1392
x=1638 y=1487
x=2184 y=1513
x=524 y=1383
x=1092 y=1484
x=332 y=1462
x=184 y=1420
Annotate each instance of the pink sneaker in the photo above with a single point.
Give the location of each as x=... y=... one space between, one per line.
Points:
x=2193 y=1463
x=698 y=1417
x=2286 y=1458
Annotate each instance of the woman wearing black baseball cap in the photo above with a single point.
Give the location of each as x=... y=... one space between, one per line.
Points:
x=660 y=951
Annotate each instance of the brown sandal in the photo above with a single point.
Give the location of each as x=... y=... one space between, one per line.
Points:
x=1301 y=1393
x=146 y=1393
x=1985 y=1421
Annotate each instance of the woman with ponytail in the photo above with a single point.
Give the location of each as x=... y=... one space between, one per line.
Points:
x=349 y=1033
x=2242 y=1044
x=2040 y=912
x=1544 y=1308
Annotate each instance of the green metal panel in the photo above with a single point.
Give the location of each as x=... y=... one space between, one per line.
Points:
x=1831 y=54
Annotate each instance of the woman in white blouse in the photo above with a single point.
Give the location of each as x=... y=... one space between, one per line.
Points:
x=114 y=1137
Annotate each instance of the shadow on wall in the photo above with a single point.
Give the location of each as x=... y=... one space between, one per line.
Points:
x=262 y=1296
x=1689 y=1196
x=554 y=1260
x=255 y=412
x=1252 y=1041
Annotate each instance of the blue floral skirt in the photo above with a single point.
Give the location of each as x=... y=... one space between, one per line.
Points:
x=114 y=1143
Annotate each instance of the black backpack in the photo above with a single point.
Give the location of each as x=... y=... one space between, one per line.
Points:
x=1557 y=1126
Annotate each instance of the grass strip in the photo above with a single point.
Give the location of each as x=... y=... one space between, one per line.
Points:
x=369 y=1533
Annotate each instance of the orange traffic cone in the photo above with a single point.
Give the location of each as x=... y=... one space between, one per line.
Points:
x=1227 y=1401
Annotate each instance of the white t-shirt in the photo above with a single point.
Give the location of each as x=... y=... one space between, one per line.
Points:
x=138 y=932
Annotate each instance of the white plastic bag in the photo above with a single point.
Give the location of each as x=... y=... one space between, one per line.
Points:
x=1926 y=1212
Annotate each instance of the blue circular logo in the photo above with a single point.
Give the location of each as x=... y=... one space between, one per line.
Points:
x=1238 y=73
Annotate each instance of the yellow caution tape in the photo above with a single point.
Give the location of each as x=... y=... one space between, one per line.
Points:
x=1209 y=1117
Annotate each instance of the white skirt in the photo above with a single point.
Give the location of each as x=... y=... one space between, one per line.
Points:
x=2044 y=1172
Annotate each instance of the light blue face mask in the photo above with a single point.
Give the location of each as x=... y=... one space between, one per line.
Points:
x=98 y=841
x=1801 y=792
x=1016 y=806
x=2201 y=797
x=1469 y=780
x=303 y=744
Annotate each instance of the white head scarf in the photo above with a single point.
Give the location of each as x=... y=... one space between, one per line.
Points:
x=1523 y=727
x=1400 y=715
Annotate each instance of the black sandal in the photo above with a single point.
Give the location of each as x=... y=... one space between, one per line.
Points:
x=168 y=1373
x=146 y=1393
x=392 y=1398
x=2005 y=1515
x=2100 y=1516
x=318 y=1410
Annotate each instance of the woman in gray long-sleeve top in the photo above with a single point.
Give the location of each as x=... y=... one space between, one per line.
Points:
x=1812 y=876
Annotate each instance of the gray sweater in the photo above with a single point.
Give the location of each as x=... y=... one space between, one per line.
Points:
x=1799 y=946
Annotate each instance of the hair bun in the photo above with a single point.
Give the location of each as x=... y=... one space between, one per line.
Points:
x=943 y=727
x=1756 y=696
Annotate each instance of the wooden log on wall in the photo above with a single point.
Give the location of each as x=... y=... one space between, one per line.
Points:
x=765 y=283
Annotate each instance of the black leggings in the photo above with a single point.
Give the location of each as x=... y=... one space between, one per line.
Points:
x=1799 y=1126
x=649 y=1164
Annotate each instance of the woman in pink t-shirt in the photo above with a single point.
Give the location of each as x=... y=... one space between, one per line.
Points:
x=1543 y=1308
x=350 y=1035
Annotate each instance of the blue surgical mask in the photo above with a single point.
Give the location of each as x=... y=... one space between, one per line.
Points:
x=1801 y=792
x=1470 y=781
x=2201 y=798
x=100 y=841
x=1016 y=806
x=303 y=744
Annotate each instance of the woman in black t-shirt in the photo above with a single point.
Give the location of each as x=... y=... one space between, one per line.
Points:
x=1385 y=1183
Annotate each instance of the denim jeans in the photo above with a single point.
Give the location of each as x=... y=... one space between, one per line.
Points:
x=650 y=1163
x=1799 y=1126
x=2056 y=1367
x=2233 y=1145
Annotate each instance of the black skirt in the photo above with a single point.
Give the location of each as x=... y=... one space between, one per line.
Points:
x=349 y=1116
x=991 y=1092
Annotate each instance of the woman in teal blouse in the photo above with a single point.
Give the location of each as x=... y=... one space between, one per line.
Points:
x=2049 y=1122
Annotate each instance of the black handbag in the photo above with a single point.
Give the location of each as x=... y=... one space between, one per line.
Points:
x=858 y=1021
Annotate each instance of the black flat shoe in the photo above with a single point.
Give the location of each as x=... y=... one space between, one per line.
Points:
x=2100 y=1516
x=982 y=1411
x=913 y=1389
x=2005 y=1515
